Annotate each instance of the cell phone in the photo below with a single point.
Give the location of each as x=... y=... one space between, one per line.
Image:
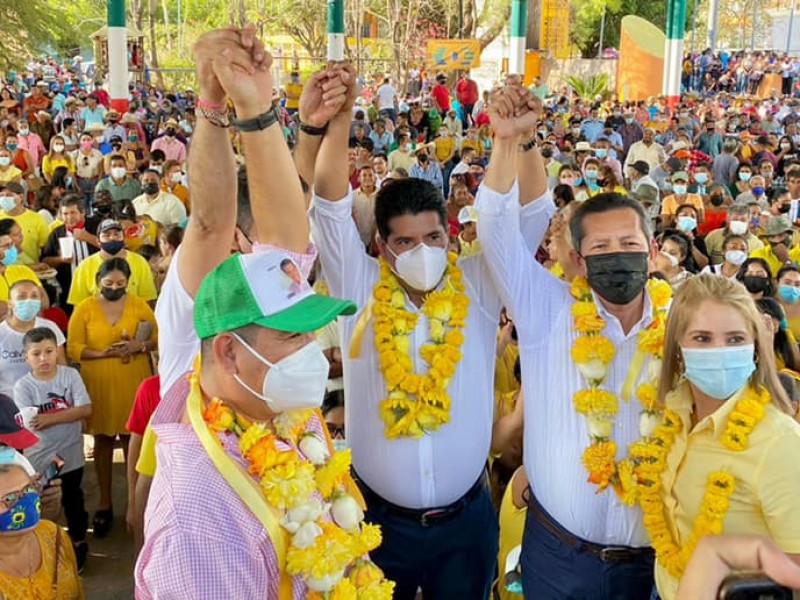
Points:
x=752 y=585
x=53 y=469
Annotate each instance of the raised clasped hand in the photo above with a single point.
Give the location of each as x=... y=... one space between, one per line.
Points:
x=513 y=111
x=327 y=93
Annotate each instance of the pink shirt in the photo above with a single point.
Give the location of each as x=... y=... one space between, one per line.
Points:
x=173 y=149
x=33 y=144
x=201 y=541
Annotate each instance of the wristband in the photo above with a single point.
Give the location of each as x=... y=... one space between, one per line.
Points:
x=259 y=123
x=529 y=145
x=311 y=130
x=212 y=105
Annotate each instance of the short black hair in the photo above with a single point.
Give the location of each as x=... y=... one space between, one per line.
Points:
x=148 y=251
x=117 y=157
x=409 y=196
x=114 y=264
x=333 y=399
x=603 y=203
x=157 y=155
x=38 y=334
x=6 y=225
x=71 y=200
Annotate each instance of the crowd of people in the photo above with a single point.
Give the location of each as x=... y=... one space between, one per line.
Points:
x=741 y=72
x=467 y=284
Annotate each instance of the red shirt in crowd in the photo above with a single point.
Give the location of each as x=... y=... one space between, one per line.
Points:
x=467 y=92
x=441 y=94
x=144 y=405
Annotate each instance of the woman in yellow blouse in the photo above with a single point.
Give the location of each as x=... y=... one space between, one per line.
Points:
x=57 y=157
x=788 y=295
x=111 y=335
x=36 y=556
x=724 y=457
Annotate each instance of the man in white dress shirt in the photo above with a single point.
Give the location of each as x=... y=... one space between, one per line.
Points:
x=429 y=494
x=578 y=543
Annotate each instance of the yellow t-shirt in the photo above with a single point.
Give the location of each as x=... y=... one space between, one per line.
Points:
x=773 y=261
x=671 y=203
x=34 y=234
x=10 y=174
x=764 y=500
x=504 y=381
x=146 y=465
x=444 y=146
x=49 y=165
x=140 y=284
x=293 y=89
x=13 y=274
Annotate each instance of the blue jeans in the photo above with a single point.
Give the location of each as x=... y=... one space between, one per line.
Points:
x=555 y=570
x=448 y=560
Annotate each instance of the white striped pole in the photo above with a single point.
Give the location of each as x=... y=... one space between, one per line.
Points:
x=519 y=23
x=117 y=55
x=335 y=29
x=673 y=51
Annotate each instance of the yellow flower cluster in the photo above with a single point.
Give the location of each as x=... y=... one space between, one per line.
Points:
x=593 y=352
x=650 y=461
x=747 y=413
x=417 y=403
x=289 y=480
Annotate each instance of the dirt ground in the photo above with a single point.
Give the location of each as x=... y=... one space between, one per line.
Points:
x=109 y=569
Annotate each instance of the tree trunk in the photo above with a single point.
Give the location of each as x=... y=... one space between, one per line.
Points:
x=167 y=32
x=154 y=43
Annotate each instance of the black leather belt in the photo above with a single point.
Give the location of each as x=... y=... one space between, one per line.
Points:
x=607 y=554
x=424 y=516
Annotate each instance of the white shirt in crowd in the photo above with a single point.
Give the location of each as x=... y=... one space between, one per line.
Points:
x=555 y=436
x=12 y=360
x=441 y=466
x=165 y=208
x=386 y=95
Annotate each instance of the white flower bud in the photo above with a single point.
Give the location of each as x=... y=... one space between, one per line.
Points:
x=648 y=421
x=593 y=370
x=326 y=583
x=599 y=426
x=314 y=449
x=306 y=535
x=346 y=512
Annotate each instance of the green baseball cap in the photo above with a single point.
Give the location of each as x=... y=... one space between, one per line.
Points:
x=266 y=289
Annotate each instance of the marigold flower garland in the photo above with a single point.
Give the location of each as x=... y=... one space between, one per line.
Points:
x=329 y=542
x=418 y=403
x=650 y=460
x=592 y=353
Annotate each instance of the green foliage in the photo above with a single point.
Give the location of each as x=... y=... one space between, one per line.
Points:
x=590 y=87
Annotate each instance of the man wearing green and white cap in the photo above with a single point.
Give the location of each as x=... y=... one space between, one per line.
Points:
x=260 y=359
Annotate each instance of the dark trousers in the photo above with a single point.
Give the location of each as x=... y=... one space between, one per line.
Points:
x=555 y=570
x=448 y=560
x=72 y=502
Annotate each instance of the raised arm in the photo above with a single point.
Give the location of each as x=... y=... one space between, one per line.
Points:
x=212 y=169
x=276 y=196
x=331 y=179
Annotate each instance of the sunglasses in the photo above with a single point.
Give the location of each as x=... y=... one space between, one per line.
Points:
x=10 y=500
x=335 y=430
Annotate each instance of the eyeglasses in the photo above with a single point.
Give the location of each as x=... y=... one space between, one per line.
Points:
x=9 y=500
x=335 y=430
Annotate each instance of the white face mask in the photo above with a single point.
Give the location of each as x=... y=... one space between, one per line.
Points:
x=673 y=261
x=421 y=267
x=4 y=161
x=295 y=382
x=176 y=177
x=736 y=257
x=738 y=227
x=58 y=148
x=118 y=172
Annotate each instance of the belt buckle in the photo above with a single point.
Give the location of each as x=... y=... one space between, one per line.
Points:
x=423 y=520
x=613 y=554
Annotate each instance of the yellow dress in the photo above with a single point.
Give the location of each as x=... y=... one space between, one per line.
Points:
x=504 y=381
x=794 y=326
x=512 y=524
x=111 y=383
x=40 y=585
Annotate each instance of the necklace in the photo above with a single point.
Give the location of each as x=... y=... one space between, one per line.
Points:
x=418 y=403
x=592 y=353
x=299 y=477
x=650 y=461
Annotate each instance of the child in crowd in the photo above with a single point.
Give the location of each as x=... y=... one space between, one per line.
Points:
x=58 y=394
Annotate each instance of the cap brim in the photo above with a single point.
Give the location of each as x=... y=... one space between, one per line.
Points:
x=309 y=314
x=20 y=440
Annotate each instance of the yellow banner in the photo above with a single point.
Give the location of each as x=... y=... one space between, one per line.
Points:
x=444 y=55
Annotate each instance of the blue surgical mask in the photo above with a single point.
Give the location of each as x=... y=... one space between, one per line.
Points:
x=758 y=190
x=679 y=188
x=10 y=257
x=686 y=223
x=7 y=203
x=701 y=178
x=719 y=372
x=745 y=176
x=23 y=515
x=601 y=152
x=26 y=310
x=789 y=293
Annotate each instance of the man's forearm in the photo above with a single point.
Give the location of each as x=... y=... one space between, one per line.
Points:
x=330 y=178
x=212 y=176
x=276 y=197
x=501 y=172
x=305 y=156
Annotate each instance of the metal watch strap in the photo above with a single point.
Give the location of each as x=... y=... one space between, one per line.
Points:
x=259 y=123
x=216 y=118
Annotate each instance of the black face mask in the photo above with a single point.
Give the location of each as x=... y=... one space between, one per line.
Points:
x=547 y=152
x=717 y=200
x=170 y=133
x=112 y=247
x=112 y=294
x=103 y=209
x=784 y=208
x=150 y=188
x=755 y=284
x=602 y=182
x=619 y=276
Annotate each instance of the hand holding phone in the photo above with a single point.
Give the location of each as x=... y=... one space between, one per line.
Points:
x=53 y=469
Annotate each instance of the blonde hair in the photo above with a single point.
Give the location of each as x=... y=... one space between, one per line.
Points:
x=691 y=294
